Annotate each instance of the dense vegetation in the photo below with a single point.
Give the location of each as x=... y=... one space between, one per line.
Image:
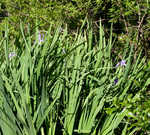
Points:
x=74 y=67
x=131 y=18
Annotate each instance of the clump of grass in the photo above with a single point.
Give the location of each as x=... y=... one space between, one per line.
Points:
x=55 y=85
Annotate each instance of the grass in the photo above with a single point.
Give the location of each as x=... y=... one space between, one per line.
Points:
x=65 y=86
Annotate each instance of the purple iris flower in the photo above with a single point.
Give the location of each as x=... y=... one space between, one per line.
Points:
x=41 y=38
x=121 y=63
x=11 y=55
x=116 y=81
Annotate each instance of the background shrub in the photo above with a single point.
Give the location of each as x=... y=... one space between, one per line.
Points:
x=131 y=18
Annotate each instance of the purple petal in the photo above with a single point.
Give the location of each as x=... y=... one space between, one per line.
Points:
x=116 y=81
x=12 y=54
x=123 y=63
x=117 y=65
x=41 y=38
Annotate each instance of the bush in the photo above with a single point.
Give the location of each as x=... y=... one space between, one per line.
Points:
x=130 y=17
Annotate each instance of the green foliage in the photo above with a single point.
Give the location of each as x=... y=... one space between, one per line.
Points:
x=63 y=85
x=137 y=111
x=136 y=100
x=134 y=15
